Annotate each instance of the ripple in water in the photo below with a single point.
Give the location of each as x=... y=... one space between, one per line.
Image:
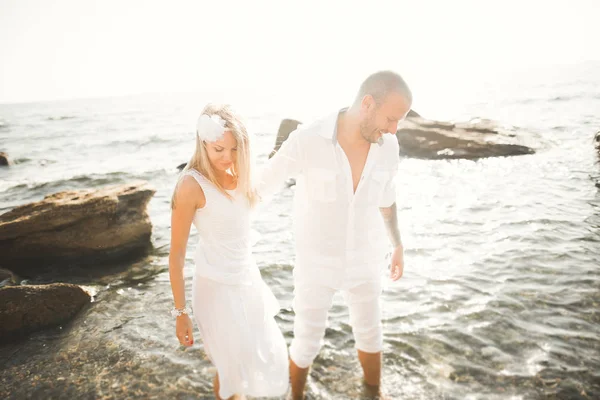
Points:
x=499 y=300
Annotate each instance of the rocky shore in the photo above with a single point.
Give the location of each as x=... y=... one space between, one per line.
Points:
x=84 y=229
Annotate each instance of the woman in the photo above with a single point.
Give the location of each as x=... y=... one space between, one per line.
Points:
x=232 y=306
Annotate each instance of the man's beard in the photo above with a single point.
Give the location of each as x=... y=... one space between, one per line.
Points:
x=369 y=131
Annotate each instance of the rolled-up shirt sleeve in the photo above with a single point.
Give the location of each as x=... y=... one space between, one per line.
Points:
x=389 y=193
x=285 y=164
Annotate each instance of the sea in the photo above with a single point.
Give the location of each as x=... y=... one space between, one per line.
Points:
x=500 y=297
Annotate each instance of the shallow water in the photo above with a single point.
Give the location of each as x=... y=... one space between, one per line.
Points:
x=501 y=291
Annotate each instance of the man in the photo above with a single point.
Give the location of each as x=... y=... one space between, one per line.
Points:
x=344 y=165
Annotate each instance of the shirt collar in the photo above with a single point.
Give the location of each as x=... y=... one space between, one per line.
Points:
x=330 y=125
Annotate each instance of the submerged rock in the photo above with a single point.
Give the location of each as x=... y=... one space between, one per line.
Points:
x=7 y=278
x=29 y=308
x=84 y=226
x=4 y=160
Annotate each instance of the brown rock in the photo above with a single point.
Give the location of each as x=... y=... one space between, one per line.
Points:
x=29 y=308
x=286 y=127
x=422 y=138
x=89 y=226
x=7 y=278
x=413 y=114
x=4 y=160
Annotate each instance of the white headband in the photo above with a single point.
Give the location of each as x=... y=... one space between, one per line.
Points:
x=210 y=128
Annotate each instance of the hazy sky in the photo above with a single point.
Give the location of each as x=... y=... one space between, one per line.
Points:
x=79 y=48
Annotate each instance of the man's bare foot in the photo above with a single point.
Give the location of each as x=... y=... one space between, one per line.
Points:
x=371 y=392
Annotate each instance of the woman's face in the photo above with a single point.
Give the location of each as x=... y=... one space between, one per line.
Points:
x=222 y=153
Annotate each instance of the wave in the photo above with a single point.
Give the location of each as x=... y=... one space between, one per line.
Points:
x=153 y=139
x=61 y=117
x=88 y=181
x=558 y=99
x=26 y=160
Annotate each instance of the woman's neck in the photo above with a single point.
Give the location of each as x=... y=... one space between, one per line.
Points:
x=224 y=178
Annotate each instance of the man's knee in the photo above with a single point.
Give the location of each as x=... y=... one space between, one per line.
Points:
x=311 y=305
x=303 y=352
x=369 y=339
x=309 y=331
x=365 y=317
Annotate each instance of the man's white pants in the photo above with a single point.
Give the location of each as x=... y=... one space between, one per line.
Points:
x=311 y=305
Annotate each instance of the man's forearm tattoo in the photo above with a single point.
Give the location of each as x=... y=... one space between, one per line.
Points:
x=390 y=218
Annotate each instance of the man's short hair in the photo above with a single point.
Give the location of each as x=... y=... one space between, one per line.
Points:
x=382 y=83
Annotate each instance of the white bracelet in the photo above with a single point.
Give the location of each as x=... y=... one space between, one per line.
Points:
x=176 y=312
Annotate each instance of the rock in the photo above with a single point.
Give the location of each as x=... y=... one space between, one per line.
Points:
x=84 y=226
x=286 y=127
x=7 y=278
x=29 y=308
x=597 y=139
x=479 y=125
x=422 y=138
x=180 y=167
x=4 y=160
x=413 y=114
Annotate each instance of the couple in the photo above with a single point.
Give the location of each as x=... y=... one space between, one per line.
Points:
x=344 y=165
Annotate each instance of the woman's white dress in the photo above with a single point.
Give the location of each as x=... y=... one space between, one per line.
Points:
x=233 y=307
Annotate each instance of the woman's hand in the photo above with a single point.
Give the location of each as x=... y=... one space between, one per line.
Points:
x=183 y=330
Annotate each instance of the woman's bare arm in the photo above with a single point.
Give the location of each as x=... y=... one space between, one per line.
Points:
x=188 y=198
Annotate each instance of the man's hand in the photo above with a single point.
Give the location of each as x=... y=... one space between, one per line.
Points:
x=390 y=219
x=397 y=263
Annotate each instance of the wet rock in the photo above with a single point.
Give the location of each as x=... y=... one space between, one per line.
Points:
x=4 y=160
x=26 y=309
x=84 y=226
x=286 y=127
x=428 y=139
x=7 y=278
x=412 y=114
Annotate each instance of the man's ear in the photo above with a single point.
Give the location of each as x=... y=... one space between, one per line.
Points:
x=367 y=103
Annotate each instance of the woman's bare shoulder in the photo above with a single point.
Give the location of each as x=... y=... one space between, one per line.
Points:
x=189 y=191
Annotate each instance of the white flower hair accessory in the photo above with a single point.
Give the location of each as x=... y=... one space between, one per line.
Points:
x=210 y=128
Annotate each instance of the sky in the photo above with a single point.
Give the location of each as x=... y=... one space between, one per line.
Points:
x=65 y=49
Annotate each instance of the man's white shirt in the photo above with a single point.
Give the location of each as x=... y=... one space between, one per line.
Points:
x=340 y=236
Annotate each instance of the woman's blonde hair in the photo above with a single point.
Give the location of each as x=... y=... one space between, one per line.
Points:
x=242 y=167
